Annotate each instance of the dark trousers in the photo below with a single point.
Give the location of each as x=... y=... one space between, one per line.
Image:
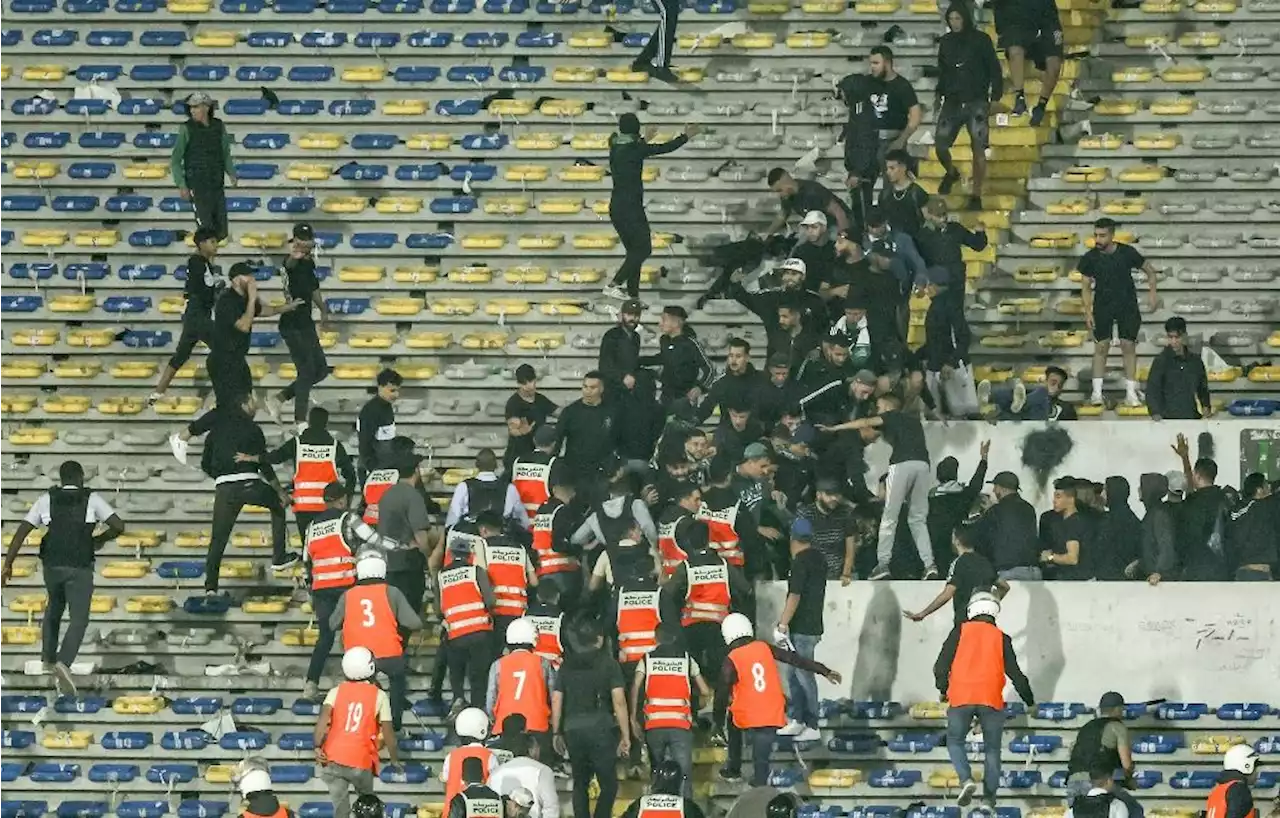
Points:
x=570 y=585
x=469 y=659
x=323 y=602
x=441 y=667
x=196 y=327
x=413 y=584
x=228 y=499
x=231 y=378
x=308 y=358
x=633 y=231
x=706 y=645
x=210 y=202
x=303 y=519
x=946 y=331
x=69 y=588
x=657 y=51
x=761 y=739
x=396 y=669
x=593 y=753
x=500 y=624
x=675 y=744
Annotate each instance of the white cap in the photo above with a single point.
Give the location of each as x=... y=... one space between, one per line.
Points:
x=371 y=565
x=522 y=797
x=1240 y=758
x=472 y=723
x=255 y=780
x=983 y=603
x=736 y=626
x=794 y=264
x=357 y=664
x=814 y=217
x=522 y=632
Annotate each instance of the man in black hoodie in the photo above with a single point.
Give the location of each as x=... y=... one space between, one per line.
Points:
x=950 y=503
x=1253 y=534
x=1178 y=386
x=627 y=152
x=738 y=385
x=940 y=242
x=620 y=348
x=1202 y=520
x=685 y=368
x=1119 y=532
x=969 y=80
x=1159 y=559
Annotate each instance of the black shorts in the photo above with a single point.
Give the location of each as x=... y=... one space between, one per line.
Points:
x=1124 y=317
x=1039 y=42
x=970 y=115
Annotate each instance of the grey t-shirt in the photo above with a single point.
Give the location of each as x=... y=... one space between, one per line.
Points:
x=402 y=510
x=1114 y=735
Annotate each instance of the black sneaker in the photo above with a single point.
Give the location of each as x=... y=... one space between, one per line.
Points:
x=948 y=182
x=1038 y=112
x=974 y=202
x=1019 y=104
x=642 y=65
x=932 y=574
x=664 y=74
x=730 y=776
x=290 y=560
x=879 y=573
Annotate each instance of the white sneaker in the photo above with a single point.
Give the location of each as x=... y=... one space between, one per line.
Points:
x=1019 y=397
x=154 y=398
x=613 y=291
x=62 y=681
x=808 y=734
x=984 y=392
x=273 y=408
x=793 y=728
x=967 y=789
x=1133 y=400
x=179 y=448
x=1096 y=399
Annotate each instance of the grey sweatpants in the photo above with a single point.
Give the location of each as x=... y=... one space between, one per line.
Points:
x=69 y=588
x=340 y=779
x=908 y=485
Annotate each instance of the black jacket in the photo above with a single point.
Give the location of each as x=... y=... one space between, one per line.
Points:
x=1119 y=533
x=940 y=247
x=732 y=390
x=1253 y=533
x=772 y=401
x=949 y=506
x=684 y=364
x=765 y=303
x=626 y=166
x=825 y=391
x=795 y=347
x=1007 y=534
x=619 y=354
x=968 y=69
x=1198 y=517
x=1159 y=547
x=1175 y=384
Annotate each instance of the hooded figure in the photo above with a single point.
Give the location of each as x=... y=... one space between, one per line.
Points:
x=1159 y=559
x=1119 y=532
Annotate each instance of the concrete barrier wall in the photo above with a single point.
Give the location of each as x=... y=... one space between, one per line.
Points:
x=1207 y=642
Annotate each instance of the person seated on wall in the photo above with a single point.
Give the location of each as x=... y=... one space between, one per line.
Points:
x=1014 y=402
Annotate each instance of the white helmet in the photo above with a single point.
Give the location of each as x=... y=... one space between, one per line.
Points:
x=522 y=632
x=983 y=603
x=472 y=723
x=254 y=780
x=371 y=566
x=1241 y=758
x=357 y=664
x=736 y=626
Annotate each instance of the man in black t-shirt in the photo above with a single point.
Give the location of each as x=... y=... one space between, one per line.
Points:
x=799 y=196
x=970 y=571
x=801 y=622
x=1065 y=535
x=1111 y=304
x=901 y=199
x=233 y=315
x=298 y=328
x=896 y=105
x=204 y=283
x=376 y=423
x=908 y=481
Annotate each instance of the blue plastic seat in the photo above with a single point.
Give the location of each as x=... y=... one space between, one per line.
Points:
x=246 y=107
x=91 y=170
x=1244 y=711
x=264 y=340
x=559 y=9
x=354 y=172
x=102 y=140
x=484 y=142
x=55 y=38
x=1020 y=779
x=85 y=703
x=476 y=171
x=53 y=772
x=158 y=72
x=1194 y=780
x=915 y=742
x=311 y=73
x=407 y=773
x=428 y=241
x=151 y=238
x=259 y=171
x=86 y=271
x=126 y=304
x=305 y=708
x=295 y=7
x=38 y=271
x=163 y=38
x=1157 y=744
x=258 y=705
x=142 y=272
x=21 y=204
x=22 y=809
x=327 y=240
x=296 y=742
x=244 y=740
x=34 y=106
x=469 y=73
x=142 y=809
x=324 y=39
x=430 y=39
x=129 y=203
x=265 y=141
x=538 y=39
x=46 y=140
x=636 y=39
x=10 y=37
x=137 y=6
x=785 y=777
x=527 y=74
x=300 y=107
x=201 y=808
x=240 y=204
x=453 y=6
x=206 y=73
x=347 y=306
x=156 y=140
x=15 y=739
x=109 y=38
x=1060 y=711
x=269 y=39
x=428 y=742
x=176 y=204
x=316 y=809
x=6 y=236
x=374 y=141
x=894 y=779
x=98 y=73
x=87 y=107
x=1035 y=744
x=374 y=241
x=291 y=204
x=416 y=73
x=259 y=73
x=84 y=6
x=458 y=107
x=7 y=139
x=147 y=338
x=292 y=773
x=172 y=773
x=346 y=7
x=126 y=739
x=17 y=703
x=377 y=39
x=180 y=569
x=20 y=303
x=485 y=39
x=507 y=7
x=140 y=106
x=242 y=6
x=196 y=705
x=400 y=6
x=1253 y=407
x=351 y=107
x=83 y=809
x=1182 y=711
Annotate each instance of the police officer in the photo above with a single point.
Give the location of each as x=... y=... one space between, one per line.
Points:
x=531 y=474
x=1103 y=741
x=466 y=603
x=472 y=728
x=675 y=525
x=1231 y=797
x=510 y=571
x=669 y=795
x=521 y=682
x=68 y=513
x=547 y=617
x=476 y=800
x=556 y=557
x=354 y=721
x=319 y=458
x=258 y=799
x=662 y=705
x=370 y=614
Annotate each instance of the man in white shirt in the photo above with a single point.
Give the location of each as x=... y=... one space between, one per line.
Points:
x=483 y=491
x=1100 y=801
x=526 y=771
x=69 y=514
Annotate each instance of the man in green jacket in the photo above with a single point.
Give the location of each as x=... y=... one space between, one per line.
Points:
x=200 y=161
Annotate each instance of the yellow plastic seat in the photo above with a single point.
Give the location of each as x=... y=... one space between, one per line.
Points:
x=1117 y=107
x=1008 y=340
x=1127 y=206
x=1068 y=207
x=995 y=374
x=398 y=204
x=77 y=369
x=300 y=637
x=88 y=338
x=579 y=275
x=471 y=274
x=138 y=705
x=219 y=773
x=32 y=436
x=1055 y=240
x=237 y=569
x=525 y=274
x=22 y=368
x=96 y=238
x=1227 y=375
x=344 y=204
x=67 y=404
x=1062 y=338
x=1200 y=39
x=755 y=40
x=484 y=241
x=315 y=172
x=265 y=604
x=1215 y=7
x=1157 y=141
x=577 y=74
x=1020 y=306
x=661 y=241
x=809 y=39
x=483 y=340
x=540 y=340
x=506 y=307
x=177 y=405
x=511 y=107
x=928 y=710
x=364 y=73
x=211 y=39
x=876 y=6
x=1145 y=174
x=690 y=73
x=321 y=141
x=429 y=142
x=581 y=173
x=1125 y=411
x=44 y=238
x=371 y=339
x=399 y=306
x=28 y=603
x=1102 y=142
x=590 y=39
x=454 y=306
x=251 y=539
x=420 y=274
x=356 y=372
x=149 y=604
x=195 y=539
x=626 y=75
x=1133 y=73
x=19 y=635
x=361 y=273
x=710 y=40
x=140 y=538
x=832 y=777
x=405 y=107
x=1160 y=6
x=44 y=73
x=506 y=205
x=539 y=141
x=540 y=241
x=263 y=241
x=172 y=305
x=24 y=568
x=1184 y=73
x=1174 y=106
x=36 y=170
x=427 y=339
x=561 y=306
x=1265 y=374
x=453 y=477
x=30 y=337
x=66 y=739
x=146 y=170
x=560 y=205
x=1085 y=174
x=417 y=372
x=595 y=241
x=923 y=7
x=764 y=8
x=1273 y=340
x=1071 y=305
x=563 y=107
x=17 y=404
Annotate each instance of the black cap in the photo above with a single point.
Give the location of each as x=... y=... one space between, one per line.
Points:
x=828 y=485
x=544 y=435
x=631 y=306
x=241 y=268
x=677 y=311
x=334 y=491
x=1006 y=480
x=303 y=232
x=839 y=338
x=1110 y=700
x=780 y=359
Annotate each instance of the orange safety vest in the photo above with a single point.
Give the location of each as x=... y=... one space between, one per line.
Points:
x=332 y=563
x=369 y=622
x=722 y=532
x=531 y=482
x=638 y=618
x=672 y=553
x=281 y=812
x=463 y=603
x=707 y=599
x=757 y=699
x=317 y=467
x=661 y=806
x=453 y=783
x=354 y=732
x=1216 y=805
x=507 y=567
x=549 y=646
x=667 y=693
x=522 y=689
x=474 y=806
x=977 y=671
x=549 y=561
x=376 y=485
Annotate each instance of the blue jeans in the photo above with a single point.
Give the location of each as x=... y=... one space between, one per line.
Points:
x=1037 y=407
x=959 y=718
x=802 y=685
x=1021 y=572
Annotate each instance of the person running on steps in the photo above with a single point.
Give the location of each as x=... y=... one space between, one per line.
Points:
x=353 y=727
x=661 y=44
x=969 y=80
x=204 y=284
